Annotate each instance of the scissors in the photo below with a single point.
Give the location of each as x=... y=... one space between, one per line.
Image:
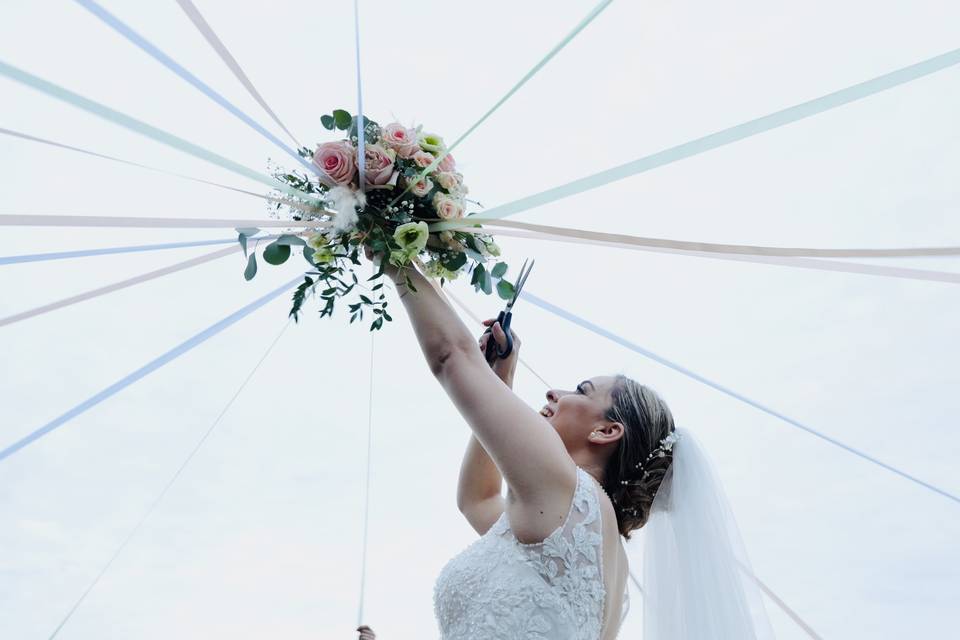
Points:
x=504 y=318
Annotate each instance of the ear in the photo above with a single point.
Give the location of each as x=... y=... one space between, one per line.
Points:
x=606 y=432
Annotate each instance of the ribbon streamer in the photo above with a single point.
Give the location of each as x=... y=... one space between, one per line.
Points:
x=40 y=220
x=289 y=203
x=207 y=32
x=783 y=261
x=116 y=286
x=361 y=129
x=722 y=138
x=85 y=253
x=516 y=87
x=150 y=49
x=129 y=282
x=600 y=331
x=148 y=368
x=25 y=136
x=144 y=129
x=710 y=247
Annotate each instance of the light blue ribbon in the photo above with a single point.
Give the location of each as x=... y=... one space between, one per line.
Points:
x=123 y=29
x=62 y=255
x=714 y=140
x=361 y=143
x=148 y=368
x=600 y=331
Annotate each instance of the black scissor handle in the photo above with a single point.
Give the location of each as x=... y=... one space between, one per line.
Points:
x=493 y=347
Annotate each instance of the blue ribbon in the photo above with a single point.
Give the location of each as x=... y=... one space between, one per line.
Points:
x=61 y=255
x=123 y=29
x=600 y=331
x=146 y=369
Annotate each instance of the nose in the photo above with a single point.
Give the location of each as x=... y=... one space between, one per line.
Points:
x=554 y=395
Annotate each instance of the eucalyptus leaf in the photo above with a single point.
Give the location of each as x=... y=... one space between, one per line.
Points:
x=276 y=253
x=243 y=243
x=327 y=122
x=478 y=274
x=487 y=283
x=308 y=255
x=499 y=269
x=342 y=119
x=505 y=289
x=290 y=239
x=477 y=257
x=251 y=269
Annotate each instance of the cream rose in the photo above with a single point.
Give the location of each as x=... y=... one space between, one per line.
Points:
x=449 y=181
x=336 y=161
x=422 y=188
x=447 y=207
x=422 y=158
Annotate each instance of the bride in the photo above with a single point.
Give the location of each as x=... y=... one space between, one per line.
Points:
x=595 y=464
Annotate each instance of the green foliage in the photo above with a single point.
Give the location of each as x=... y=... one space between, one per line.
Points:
x=327 y=122
x=454 y=262
x=290 y=239
x=505 y=290
x=251 y=269
x=499 y=269
x=342 y=119
x=276 y=253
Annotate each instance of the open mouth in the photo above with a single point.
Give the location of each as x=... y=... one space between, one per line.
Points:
x=546 y=412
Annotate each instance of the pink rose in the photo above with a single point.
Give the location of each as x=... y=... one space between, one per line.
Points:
x=378 y=170
x=421 y=188
x=447 y=164
x=423 y=159
x=402 y=140
x=336 y=161
x=447 y=207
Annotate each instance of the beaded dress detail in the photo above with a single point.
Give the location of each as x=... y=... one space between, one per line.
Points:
x=501 y=589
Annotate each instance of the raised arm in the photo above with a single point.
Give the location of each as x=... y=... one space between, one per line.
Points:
x=540 y=474
x=479 y=496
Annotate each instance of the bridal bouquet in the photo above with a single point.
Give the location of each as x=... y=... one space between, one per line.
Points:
x=409 y=180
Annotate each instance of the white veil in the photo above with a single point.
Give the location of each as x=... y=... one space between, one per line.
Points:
x=697 y=581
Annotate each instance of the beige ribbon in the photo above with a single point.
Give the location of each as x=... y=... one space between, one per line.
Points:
x=204 y=28
x=785 y=261
x=35 y=220
x=710 y=247
x=122 y=284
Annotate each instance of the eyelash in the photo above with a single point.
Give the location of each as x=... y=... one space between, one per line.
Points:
x=580 y=390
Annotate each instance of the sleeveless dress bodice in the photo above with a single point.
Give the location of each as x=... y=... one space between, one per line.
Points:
x=501 y=589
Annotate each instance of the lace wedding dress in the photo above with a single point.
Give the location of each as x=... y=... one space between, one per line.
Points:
x=501 y=589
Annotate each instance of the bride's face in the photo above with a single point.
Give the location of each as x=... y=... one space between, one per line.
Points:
x=578 y=413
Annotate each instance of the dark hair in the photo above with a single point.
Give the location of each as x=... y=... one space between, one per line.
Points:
x=646 y=420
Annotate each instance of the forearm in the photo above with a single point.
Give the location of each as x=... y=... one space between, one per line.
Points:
x=438 y=329
x=479 y=476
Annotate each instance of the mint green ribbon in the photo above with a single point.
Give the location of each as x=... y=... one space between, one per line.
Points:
x=714 y=140
x=138 y=126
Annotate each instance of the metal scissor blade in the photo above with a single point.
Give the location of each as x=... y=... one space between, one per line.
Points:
x=521 y=280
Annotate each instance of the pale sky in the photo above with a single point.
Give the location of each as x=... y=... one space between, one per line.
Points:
x=261 y=535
